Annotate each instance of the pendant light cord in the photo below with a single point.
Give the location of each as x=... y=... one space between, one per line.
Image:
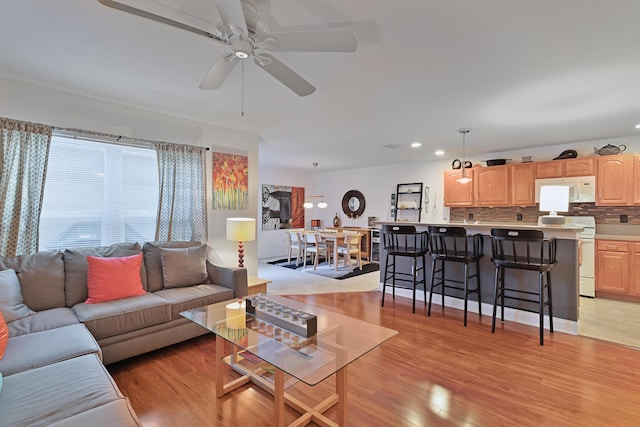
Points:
x=242 y=86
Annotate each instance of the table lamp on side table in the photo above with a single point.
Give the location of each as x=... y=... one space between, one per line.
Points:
x=241 y=230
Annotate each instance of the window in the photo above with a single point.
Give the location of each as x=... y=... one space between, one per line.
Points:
x=97 y=194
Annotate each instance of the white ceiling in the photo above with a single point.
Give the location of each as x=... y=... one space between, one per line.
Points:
x=518 y=73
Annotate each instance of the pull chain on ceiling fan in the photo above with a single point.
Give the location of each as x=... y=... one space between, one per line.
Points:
x=241 y=30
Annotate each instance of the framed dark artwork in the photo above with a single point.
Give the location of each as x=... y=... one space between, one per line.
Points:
x=282 y=207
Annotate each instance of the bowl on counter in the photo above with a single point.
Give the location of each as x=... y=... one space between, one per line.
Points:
x=496 y=162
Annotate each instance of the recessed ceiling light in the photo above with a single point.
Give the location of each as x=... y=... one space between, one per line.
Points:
x=392 y=146
x=416 y=145
x=439 y=153
x=638 y=126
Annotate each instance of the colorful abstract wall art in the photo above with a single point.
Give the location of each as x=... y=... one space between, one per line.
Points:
x=282 y=207
x=230 y=181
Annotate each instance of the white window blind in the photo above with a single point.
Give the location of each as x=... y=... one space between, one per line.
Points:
x=97 y=194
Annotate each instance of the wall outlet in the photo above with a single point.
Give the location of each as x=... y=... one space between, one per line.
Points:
x=470 y=217
x=519 y=217
x=624 y=218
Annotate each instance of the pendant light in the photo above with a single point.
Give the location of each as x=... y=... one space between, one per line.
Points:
x=464 y=179
x=321 y=204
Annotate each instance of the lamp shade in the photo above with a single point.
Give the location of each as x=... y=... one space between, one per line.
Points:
x=554 y=198
x=241 y=229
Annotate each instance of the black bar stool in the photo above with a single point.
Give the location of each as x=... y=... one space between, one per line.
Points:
x=452 y=244
x=404 y=241
x=523 y=250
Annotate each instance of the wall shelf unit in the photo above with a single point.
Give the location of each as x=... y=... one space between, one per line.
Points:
x=409 y=202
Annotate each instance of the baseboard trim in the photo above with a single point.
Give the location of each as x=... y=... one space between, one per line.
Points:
x=510 y=314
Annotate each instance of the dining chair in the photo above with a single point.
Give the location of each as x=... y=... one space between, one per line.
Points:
x=350 y=247
x=296 y=244
x=314 y=245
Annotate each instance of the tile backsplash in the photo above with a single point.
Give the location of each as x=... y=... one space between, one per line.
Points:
x=530 y=214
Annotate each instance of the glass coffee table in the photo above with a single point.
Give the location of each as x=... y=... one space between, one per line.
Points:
x=271 y=349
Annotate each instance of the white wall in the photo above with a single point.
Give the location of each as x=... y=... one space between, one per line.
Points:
x=378 y=183
x=62 y=109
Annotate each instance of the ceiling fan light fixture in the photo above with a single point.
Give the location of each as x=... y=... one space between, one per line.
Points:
x=242 y=48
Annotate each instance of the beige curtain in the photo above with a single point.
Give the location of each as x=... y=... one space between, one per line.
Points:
x=182 y=205
x=24 y=150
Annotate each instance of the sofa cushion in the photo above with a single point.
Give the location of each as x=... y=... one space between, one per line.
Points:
x=113 y=278
x=4 y=337
x=183 y=266
x=41 y=278
x=42 y=321
x=153 y=262
x=116 y=413
x=11 y=303
x=52 y=393
x=43 y=348
x=182 y=299
x=75 y=265
x=119 y=316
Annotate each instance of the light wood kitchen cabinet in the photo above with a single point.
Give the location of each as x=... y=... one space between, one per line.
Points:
x=635 y=265
x=614 y=181
x=580 y=167
x=551 y=169
x=613 y=267
x=523 y=184
x=636 y=180
x=456 y=193
x=491 y=186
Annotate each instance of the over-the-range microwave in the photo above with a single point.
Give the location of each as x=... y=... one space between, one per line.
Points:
x=582 y=189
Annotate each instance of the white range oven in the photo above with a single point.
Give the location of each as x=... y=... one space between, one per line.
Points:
x=586 y=253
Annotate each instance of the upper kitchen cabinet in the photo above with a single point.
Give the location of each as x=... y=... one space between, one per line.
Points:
x=491 y=185
x=636 y=180
x=580 y=167
x=457 y=193
x=523 y=184
x=615 y=180
x=551 y=169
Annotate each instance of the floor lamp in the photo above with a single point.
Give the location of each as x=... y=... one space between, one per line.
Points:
x=241 y=230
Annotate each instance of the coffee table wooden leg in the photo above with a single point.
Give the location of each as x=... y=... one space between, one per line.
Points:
x=278 y=397
x=341 y=391
x=219 y=367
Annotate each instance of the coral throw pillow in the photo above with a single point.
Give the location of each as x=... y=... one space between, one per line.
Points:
x=4 y=335
x=113 y=278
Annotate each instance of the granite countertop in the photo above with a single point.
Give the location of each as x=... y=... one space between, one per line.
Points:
x=618 y=232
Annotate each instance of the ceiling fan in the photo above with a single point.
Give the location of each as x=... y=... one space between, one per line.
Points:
x=241 y=30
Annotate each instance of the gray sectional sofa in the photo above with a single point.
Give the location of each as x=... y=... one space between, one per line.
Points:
x=53 y=367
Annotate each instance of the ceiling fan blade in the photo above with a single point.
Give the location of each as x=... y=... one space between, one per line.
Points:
x=232 y=15
x=312 y=41
x=152 y=16
x=285 y=75
x=219 y=72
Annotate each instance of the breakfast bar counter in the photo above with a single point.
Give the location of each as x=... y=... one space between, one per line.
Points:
x=564 y=276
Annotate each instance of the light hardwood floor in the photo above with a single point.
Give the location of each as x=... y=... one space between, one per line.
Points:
x=434 y=373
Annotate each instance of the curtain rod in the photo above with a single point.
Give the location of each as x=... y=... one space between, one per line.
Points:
x=100 y=136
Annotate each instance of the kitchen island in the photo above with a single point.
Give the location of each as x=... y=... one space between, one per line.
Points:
x=564 y=276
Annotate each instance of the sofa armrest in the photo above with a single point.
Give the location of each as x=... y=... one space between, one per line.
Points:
x=230 y=277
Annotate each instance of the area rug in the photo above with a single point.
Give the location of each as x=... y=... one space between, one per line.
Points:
x=327 y=270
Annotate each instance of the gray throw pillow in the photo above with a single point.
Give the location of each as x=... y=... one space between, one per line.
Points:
x=184 y=266
x=11 y=303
